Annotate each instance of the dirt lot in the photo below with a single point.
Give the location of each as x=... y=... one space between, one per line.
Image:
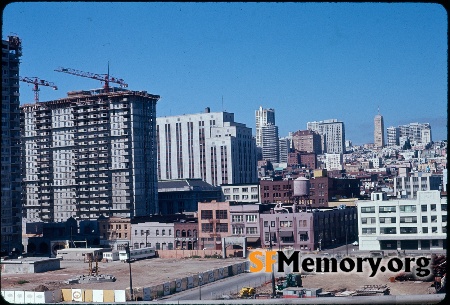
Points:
x=157 y=271
x=145 y=273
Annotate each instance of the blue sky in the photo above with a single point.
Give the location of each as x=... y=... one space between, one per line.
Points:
x=308 y=61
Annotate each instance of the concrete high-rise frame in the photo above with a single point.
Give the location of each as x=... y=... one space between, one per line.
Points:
x=332 y=133
x=11 y=180
x=90 y=154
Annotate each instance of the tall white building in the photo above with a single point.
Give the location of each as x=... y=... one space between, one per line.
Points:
x=416 y=132
x=405 y=224
x=209 y=146
x=332 y=133
x=393 y=136
x=334 y=161
x=407 y=186
x=378 y=132
x=270 y=145
x=284 y=148
x=263 y=117
x=11 y=180
x=92 y=153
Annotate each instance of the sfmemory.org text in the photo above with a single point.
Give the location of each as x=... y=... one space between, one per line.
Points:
x=259 y=259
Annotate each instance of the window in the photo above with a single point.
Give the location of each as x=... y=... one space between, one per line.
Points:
x=368 y=209
x=286 y=224
x=433 y=218
x=368 y=220
x=388 y=209
x=408 y=219
x=157 y=232
x=222 y=227
x=388 y=220
x=408 y=208
x=266 y=224
x=250 y=218
x=389 y=230
x=238 y=230
x=424 y=219
x=251 y=230
x=368 y=230
x=272 y=224
x=433 y=207
x=207 y=214
x=424 y=229
x=424 y=207
x=444 y=218
x=408 y=230
x=163 y=233
x=237 y=218
x=221 y=214
x=207 y=227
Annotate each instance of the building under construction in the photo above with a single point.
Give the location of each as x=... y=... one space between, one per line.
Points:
x=91 y=153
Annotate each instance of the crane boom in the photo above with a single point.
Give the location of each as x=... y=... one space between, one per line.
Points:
x=101 y=77
x=37 y=82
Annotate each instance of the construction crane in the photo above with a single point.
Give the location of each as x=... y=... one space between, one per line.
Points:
x=37 y=82
x=101 y=77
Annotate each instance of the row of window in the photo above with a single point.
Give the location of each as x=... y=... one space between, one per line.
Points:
x=402 y=208
x=403 y=219
x=403 y=230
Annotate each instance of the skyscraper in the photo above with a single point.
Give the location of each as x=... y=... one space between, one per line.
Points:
x=378 y=132
x=11 y=223
x=208 y=145
x=91 y=153
x=263 y=117
x=270 y=145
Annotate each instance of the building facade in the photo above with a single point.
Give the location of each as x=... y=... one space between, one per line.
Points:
x=213 y=223
x=263 y=117
x=241 y=192
x=307 y=141
x=416 y=132
x=393 y=136
x=270 y=146
x=405 y=224
x=11 y=222
x=183 y=195
x=378 y=132
x=407 y=186
x=332 y=133
x=209 y=146
x=92 y=153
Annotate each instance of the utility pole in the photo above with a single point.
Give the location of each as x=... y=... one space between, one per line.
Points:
x=127 y=249
x=273 y=274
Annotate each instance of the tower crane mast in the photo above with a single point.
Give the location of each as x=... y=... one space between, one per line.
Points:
x=37 y=82
x=106 y=78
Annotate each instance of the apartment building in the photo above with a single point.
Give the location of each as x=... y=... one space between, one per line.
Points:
x=245 y=223
x=333 y=135
x=157 y=233
x=393 y=136
x=284 y=145
x=209 y=146
x=405 y=224
x=263 y=117
x=114 y=232
x=11 y=222
x=91 y=153
x=416 y=132
x=307 y=141
x=378 y=132
x=241 y=192
x=334 y=162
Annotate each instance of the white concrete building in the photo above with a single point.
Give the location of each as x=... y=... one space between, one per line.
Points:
x=209 y=146
x=92 y=153
x=407 y=186
x=241 y=192
x=405 y=224
x=157 y=234
x=393 y=135
x=333 y=135
x=334 y=161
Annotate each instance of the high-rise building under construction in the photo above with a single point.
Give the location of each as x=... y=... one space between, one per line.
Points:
x=91 y=153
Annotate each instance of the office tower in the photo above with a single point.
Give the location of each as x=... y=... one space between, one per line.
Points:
x=10 y=150
x=378 y=132
x=91 y=153
x=284 y=149
x=270 y=148
x=263 y=117
x=307 y=141
x=393 y=136
x=332 y=133
x=208 y=145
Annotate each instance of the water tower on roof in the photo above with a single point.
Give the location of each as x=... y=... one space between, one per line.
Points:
x=302 y=186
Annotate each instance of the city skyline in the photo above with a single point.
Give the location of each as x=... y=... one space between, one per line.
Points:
x=345 y=59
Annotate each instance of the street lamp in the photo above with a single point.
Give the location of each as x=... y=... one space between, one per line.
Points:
x=127 y=250
x=200 y=281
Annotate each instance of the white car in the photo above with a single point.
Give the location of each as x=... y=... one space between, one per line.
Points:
x=355 y=243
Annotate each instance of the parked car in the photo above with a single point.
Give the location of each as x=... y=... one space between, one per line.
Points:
x=355 y=243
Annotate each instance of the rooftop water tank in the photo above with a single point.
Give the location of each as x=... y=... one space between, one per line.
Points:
x=301 y=186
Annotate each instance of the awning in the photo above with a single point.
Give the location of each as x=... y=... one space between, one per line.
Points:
x=252 y=239
x=286 y=233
